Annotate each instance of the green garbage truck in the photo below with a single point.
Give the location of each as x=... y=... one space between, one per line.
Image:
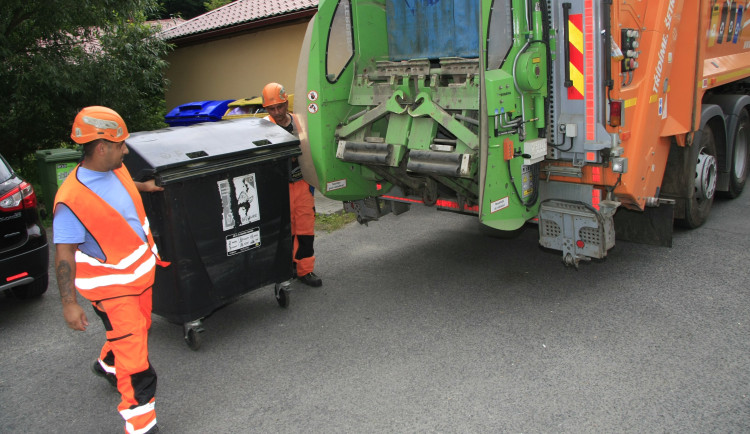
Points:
x=577 y=115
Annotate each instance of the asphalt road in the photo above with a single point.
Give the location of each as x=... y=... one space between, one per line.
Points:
x=424 y=325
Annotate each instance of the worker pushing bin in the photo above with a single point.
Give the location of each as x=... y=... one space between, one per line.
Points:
x=223 y=218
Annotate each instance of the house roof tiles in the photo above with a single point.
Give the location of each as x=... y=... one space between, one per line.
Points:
x=236 y=13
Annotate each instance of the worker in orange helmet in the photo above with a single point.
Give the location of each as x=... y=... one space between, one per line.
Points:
x=104 y=250
x=301 y=199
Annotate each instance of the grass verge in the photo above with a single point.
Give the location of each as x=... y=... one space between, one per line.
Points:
x=332 y=222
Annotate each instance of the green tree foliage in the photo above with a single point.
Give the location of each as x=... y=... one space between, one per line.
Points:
x=215 y=4
x=59 y=56
x=185 y=9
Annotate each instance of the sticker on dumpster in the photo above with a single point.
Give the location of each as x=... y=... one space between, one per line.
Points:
x=312 y=95
x=243 y=241
x=227 y=216
x=239 y=201
x=247 y=198
x=312 y=108
x=62 y=170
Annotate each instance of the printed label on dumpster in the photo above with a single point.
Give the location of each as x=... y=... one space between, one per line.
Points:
x=239 y=201
x=62 y=170
x=243 y=241
x=247 y=199
x=227 y=216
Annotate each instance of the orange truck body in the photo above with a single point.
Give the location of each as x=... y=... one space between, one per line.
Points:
x=686 y=49
x=666 y=83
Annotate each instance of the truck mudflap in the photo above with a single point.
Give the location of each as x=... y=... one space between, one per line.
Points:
x=577 y=229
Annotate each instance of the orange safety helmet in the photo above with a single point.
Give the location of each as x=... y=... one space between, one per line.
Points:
x=97 y=122
x=274 y=93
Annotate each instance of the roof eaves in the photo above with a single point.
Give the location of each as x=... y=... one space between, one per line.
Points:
x=241 y=27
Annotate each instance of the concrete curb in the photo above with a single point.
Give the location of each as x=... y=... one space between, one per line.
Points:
x=323 y=205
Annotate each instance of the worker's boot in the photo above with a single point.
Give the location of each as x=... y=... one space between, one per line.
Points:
x=311 y=279
x=98 y=370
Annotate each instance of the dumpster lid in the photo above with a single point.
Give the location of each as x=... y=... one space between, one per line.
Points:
x=58 y=154
x=256 y=100
x=171 y=147
x=200 y=107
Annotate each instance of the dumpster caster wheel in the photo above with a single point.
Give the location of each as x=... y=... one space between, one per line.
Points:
x=282 y=294
x=193 y=331
x=193 y=339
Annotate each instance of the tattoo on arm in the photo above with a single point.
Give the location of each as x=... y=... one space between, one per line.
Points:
x=65 y=282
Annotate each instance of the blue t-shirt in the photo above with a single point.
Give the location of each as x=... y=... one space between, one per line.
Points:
x=68 y=229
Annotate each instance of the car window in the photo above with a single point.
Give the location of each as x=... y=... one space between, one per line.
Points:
x=5 y=171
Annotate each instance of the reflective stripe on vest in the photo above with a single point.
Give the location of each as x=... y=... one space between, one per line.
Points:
x=295 y=121
x=147 y=265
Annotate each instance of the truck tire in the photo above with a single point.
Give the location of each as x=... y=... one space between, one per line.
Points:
x=703 y=179
x=740 y=158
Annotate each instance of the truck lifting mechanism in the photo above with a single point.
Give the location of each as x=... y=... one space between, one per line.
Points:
x=594 y=119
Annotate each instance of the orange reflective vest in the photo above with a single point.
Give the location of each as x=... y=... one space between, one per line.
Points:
x=294 y=119
x=130 y=263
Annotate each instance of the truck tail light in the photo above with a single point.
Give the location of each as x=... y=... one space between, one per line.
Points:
x=615 y=113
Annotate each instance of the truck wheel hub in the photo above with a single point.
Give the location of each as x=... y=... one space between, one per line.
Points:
x=705 y=176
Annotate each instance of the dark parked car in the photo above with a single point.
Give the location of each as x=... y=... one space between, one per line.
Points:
x=24 y=251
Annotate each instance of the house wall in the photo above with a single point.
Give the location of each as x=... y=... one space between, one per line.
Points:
x=235 y=67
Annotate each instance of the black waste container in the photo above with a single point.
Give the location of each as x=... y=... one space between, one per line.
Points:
x=223 y=217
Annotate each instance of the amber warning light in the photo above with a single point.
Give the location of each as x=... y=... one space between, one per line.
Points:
x=615 y=112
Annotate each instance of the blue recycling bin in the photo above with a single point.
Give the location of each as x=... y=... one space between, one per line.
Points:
x=197 y=112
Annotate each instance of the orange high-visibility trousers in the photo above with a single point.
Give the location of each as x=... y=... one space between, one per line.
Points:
x=302 y=208
x=125 y=354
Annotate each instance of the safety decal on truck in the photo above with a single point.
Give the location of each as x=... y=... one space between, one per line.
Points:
x=527 y=181
x=738 y=24
x=336 y=185
x=726 y=19
x=244 y=209
x=575 y=30
x=499 y=204
x=243 y=241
